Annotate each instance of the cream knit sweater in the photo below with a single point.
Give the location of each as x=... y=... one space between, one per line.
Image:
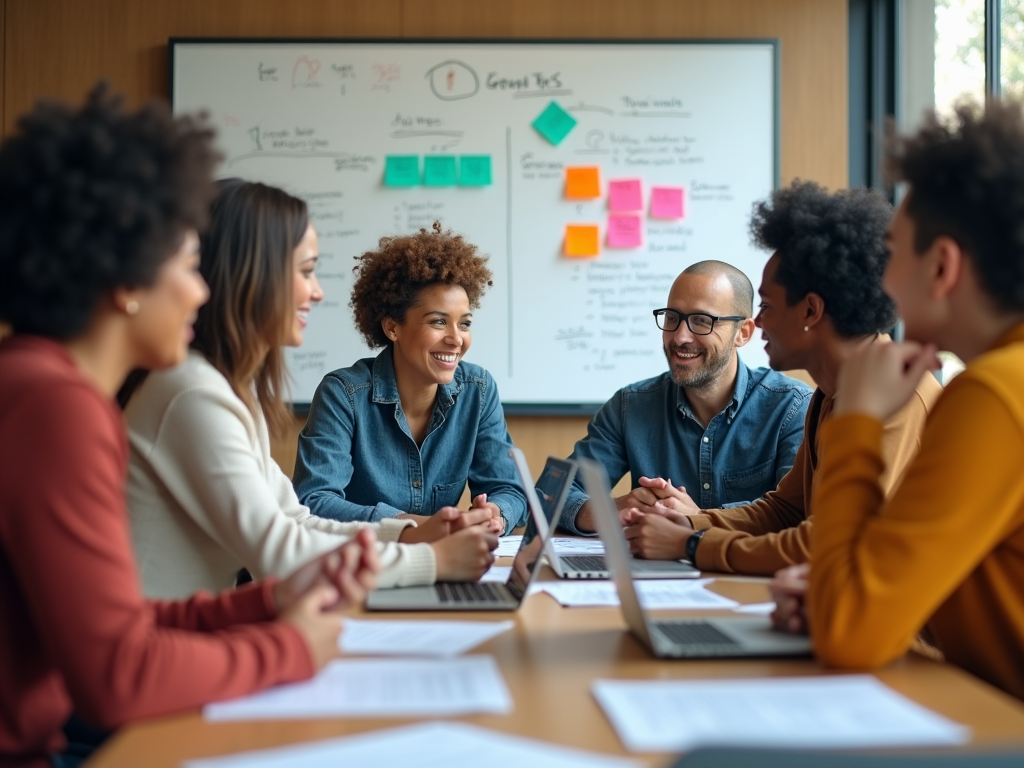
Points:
x=205 y=497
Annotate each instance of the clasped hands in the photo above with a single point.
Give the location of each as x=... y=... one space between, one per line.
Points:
x=463 y=541
x=654 y=518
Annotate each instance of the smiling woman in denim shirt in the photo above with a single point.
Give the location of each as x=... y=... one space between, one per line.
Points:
x=399 y=435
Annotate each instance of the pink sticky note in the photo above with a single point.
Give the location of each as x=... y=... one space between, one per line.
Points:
x=624 y=195
x=667 y=202
x=624 y=231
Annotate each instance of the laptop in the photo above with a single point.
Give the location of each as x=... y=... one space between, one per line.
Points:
x=474 y=596
x=675 y=638
x=548 y=500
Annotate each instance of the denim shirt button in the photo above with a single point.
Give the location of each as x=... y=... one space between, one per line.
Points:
x=416 y=483
x=706 y=486
x=705 y=439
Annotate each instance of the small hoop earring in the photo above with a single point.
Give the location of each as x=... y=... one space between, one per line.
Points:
x=132 y=307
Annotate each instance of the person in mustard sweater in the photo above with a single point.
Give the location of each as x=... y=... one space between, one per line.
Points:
x=99 y=211
x=821 y=301
x=945 y=552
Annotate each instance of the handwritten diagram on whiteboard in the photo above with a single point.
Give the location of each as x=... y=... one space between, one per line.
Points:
x=590 y=174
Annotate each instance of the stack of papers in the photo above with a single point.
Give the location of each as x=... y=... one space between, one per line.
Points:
x=430 y=745
x=379 y=688
x=836 y=712
x=655 y=594
x=416 y=638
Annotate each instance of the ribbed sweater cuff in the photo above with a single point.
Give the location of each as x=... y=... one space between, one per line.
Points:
x=390 y=529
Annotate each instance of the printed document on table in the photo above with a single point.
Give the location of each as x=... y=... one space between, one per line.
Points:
x=655 y=594
x=564 y=545
x=497 y=574
x=426 y=745
x=379 y=688
x=416 y=638
x=758 y=609
x=830 y=712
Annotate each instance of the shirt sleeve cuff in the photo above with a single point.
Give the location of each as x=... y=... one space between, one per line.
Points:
x=700 y=523
x=390 y=528
x=384 y=511
x=570 y=512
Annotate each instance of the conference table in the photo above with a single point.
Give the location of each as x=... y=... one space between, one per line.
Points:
x=549 y=660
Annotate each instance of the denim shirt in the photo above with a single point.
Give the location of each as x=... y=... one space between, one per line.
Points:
x=357 y=459
x=648 y=429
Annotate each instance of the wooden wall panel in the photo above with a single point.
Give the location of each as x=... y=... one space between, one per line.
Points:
x=59 y=48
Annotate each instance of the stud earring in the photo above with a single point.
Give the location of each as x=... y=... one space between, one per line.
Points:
x=132 y=307
x=806 y=329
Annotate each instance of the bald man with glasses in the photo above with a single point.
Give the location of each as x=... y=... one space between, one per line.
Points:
x=710 y=431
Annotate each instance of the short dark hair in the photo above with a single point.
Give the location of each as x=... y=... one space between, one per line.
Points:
x=247 y=263
x=742 y=290
x=832 y=245
x=390 y=279
x=93 y=199
x=966 y=177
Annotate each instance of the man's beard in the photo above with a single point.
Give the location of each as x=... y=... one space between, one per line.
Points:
x=707 y=373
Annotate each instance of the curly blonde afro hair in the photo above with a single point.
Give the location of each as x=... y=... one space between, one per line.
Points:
x=389 y=280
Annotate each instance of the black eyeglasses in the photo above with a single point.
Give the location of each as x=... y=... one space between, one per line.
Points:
x=699 y=323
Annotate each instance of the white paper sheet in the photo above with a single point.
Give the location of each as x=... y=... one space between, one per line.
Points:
x=508 y=545
x=497 y=574
x=655 y=594
x=426 y=745
x=445 y=639
x=379 y=688
x=573 y=546
x=564 y=545
x=832 y=712
x=758 y=609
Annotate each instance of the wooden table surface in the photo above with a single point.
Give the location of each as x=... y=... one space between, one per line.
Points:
x=549 y=660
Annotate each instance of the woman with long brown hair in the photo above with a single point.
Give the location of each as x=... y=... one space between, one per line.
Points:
x=204 y=494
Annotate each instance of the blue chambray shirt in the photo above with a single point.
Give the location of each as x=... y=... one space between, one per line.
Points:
x=648 y=429
x=357 y=459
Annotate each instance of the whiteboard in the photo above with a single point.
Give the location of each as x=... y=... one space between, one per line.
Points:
x=321 y=118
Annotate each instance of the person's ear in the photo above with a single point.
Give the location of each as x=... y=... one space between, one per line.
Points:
x=947 y=264
x=814 y=310
x=390 y=328
x=744 y=331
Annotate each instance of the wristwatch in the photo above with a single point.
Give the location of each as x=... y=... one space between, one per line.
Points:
x=691 y=545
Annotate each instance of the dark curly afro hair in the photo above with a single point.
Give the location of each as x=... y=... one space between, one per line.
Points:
x=832 y=245
x=966 y=177
x=389 y=280
x=94 y=199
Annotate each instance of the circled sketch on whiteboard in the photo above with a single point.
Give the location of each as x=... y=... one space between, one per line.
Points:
x=452 y=80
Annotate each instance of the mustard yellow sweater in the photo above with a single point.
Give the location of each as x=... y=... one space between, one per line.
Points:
x=947 y=549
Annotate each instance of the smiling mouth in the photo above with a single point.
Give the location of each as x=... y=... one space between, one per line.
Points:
x=445 y=358
x=681 y=355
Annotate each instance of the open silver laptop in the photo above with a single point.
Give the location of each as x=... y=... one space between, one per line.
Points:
x=727 y=636
x=548 y=494
x=474 y=596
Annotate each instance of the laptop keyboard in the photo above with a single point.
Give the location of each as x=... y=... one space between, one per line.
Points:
x=585 y=562
x=473 y=592
x=694 y=633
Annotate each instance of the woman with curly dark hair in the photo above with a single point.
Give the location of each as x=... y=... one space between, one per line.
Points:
x=99 y=211
x=193 y=529
x=402 y=433
x=821 y=301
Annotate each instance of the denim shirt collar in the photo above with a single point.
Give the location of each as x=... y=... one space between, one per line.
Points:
x=739 y=393
x=385 y=385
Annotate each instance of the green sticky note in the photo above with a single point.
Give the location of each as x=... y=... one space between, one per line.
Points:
x=554 y=123
x=475 y=170
x=402 y=171
x=439 y=170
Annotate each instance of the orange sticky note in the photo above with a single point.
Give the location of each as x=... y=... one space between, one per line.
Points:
x=583 y=182
x=582 y=240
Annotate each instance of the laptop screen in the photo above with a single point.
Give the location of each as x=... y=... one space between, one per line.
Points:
x=550 y=487
x=526 y=560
